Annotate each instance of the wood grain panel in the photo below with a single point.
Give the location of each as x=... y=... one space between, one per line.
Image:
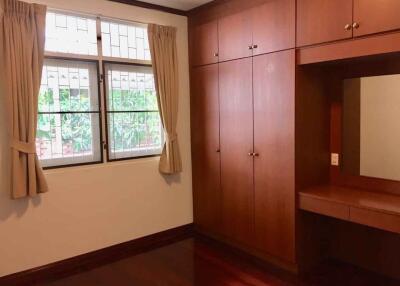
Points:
x=274 y=26
x=384 y=221
x=235 y=36
x=321 y=21
x=324 y=207
x=312 y=127
x=204 y=39
x=236 y=117
x=205 y=147
x=351 y=126
x=376 y=16
x=274 y=88
x=360 y=47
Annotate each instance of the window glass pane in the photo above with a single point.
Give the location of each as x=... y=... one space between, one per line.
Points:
x=125 y=41
x=134 y=125
x=68 y=128
x=70 y=34
x=68 y=86
x=131 y=89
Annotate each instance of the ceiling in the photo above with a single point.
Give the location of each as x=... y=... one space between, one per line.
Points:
x=184 y=5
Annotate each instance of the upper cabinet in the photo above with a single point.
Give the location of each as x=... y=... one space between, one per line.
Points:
x=274 y=26
x=263 y=29
x=205 y=43
x=321 y=21
x=235 y=37
x=372 y=16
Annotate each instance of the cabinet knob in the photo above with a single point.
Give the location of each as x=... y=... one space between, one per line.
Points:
x=356 y=25
x=215 y=54
x=218 y=150
x=250 y=153
x=347 y=27
x=250 y=47
x=255 y=46
x=256 y=154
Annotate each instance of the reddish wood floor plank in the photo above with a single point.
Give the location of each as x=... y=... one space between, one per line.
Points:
x=197 y=261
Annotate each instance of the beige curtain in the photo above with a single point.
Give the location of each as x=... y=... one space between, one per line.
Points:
x=164 y=57
x=22 y=31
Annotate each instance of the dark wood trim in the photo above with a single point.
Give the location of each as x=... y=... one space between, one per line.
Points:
x=152 y=6
x=97 y=258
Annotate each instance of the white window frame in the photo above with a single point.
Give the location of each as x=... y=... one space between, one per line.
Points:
x=101 y=60
x=80 y=160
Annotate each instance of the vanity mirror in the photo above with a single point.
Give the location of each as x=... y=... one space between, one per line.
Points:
x=371 y=127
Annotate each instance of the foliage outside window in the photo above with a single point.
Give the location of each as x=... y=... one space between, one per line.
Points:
x=68 y=114
x=134 y=126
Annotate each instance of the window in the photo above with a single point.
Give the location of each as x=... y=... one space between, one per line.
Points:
x=70 y=110
x=70 y=34
x=124 y=41
x=68 y=129
x=134 y=126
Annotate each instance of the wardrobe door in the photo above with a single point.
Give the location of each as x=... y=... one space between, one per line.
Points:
x=235 y=36
x=205 y=43
x=274 y=26
x=236 y=115
x=274 y=97
x=372 y=16
x=321 y=21
x=205 y=147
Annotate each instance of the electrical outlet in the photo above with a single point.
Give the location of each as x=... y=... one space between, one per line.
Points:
x=335 y=159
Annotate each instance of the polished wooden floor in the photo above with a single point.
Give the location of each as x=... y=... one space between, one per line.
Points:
x=197 y=261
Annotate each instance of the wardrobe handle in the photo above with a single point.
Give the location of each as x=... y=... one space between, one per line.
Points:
x=250 y=154
x=256 y=155
x=250 y=47
x=347 y=27
x=255 y=46
x=218 y=150
x=215 y=54
x=356 y=25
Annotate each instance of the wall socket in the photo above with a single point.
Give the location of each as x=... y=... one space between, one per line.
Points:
x=334 y=159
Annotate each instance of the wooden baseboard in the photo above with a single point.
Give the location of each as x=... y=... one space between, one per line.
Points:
x=96 y=258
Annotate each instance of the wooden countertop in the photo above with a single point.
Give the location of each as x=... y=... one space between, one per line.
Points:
x=374 y=209
x=377 y=201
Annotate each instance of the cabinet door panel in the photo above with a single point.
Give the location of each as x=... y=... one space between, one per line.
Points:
x=236 y=142
x=274 y=90
x=376 y=16
x=321 y=21
x=205 y=147
x=235 y=36
x=274 y=26
x=205 y=43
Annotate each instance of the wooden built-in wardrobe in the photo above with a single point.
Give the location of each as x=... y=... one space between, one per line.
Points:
x=242 y=106
x=266 y=84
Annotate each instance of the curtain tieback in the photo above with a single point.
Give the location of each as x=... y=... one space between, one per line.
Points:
x=171 y=137
x=24 y=147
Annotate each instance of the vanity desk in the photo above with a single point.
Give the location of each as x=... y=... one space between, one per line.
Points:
x=348 y=155
x=374 y=209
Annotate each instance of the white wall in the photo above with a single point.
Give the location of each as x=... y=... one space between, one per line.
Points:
x=101 y=205
x=380 y=128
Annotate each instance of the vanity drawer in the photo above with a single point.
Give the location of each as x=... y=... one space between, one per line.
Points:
x=375 y=219
x=324 y=207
